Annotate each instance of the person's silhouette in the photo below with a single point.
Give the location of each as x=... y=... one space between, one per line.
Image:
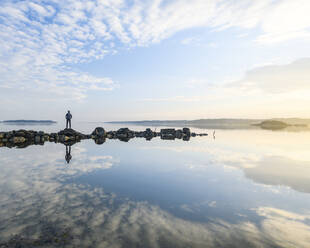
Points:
x=68 y=119
x=68 y=154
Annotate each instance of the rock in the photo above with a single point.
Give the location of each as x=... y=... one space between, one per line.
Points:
x=99 y=132
x=179 y=134
x=124 y=134
x=37 y=139
x=74 y=135
x=186 y=131
x=168 y=134
x=19 y=140
x=148 y=134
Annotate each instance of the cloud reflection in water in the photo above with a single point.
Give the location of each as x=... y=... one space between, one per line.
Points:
x=35 y=192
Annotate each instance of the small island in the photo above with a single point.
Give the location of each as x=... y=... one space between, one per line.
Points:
x=273 y=125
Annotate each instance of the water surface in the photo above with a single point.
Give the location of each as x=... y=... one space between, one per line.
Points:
x=245 y=188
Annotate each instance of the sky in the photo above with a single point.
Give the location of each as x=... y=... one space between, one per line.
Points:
x=112 y=60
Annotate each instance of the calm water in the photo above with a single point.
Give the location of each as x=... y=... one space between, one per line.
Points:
x=245 y=188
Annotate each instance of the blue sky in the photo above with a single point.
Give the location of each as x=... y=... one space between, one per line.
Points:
x=154 y=59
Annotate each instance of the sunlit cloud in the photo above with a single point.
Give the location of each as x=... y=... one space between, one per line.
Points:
x=171 y=99
x=278 y=78
x=40 y=41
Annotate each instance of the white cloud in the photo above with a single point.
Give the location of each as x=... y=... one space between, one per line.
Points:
x=286 y=20
x=39 y=38
x=278 y=78
x=171 y=99
x=196 y=41
x=191 y=40
x=43 y=11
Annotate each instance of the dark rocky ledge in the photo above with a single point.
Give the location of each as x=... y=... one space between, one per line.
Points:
x=24 y=138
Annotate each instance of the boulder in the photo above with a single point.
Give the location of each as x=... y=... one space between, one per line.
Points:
x=71 y=133
x=187 y=131
x=37 y=139
x=179 y=134
x=19 y=140
x=124 y=134
x=168 y=133
x=148 y=134
x=99 y=132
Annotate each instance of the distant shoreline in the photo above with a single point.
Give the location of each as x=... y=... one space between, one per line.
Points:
x=28 y=122
x=273 y=124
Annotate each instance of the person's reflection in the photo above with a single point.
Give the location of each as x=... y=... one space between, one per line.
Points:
x=68 y=154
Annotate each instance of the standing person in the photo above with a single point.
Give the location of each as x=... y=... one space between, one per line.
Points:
x=68 y=118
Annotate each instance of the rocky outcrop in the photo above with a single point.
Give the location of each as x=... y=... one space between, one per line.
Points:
x=24 y=138
x=68 y=136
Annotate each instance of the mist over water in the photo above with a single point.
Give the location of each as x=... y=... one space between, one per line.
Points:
x=241 y=188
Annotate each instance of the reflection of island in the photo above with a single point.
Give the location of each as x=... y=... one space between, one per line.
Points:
x=68 y=136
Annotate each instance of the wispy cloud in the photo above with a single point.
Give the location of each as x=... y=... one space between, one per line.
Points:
x=278 y=78
x=191 y=40
x=196 y=41
x=42 y=40
x=171 y=99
